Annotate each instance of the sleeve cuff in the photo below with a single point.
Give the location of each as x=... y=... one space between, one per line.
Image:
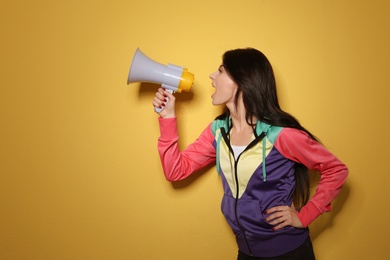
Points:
x=308 y=214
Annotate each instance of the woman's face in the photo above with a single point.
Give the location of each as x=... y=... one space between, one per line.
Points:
x=225 y=87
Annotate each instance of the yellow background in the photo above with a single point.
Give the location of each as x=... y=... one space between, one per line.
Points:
x=80 y=176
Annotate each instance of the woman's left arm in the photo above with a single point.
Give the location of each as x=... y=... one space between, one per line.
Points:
x=299 y=147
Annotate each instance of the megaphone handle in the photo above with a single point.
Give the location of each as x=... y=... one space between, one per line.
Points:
x=157 y=109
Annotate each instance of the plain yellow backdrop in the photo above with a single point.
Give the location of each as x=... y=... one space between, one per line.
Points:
x=80 y=177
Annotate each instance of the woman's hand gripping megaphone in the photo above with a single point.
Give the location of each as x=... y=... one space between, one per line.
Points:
x=164 y=103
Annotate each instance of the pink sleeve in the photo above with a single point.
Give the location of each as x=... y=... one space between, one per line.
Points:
x=299 y=147
x=178 y=165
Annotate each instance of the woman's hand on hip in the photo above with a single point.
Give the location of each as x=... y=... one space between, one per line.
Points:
x=282 y=216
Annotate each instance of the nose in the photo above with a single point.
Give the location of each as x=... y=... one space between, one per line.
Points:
x=212 y=75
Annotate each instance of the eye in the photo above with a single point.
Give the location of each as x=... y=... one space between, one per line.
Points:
x=221 y=68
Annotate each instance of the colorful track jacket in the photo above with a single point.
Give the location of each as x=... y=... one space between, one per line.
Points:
x=261 y=177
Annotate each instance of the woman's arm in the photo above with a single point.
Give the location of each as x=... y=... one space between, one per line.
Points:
x=178 y=165
x=299 y=147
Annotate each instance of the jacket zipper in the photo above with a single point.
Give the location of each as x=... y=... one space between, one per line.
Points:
x=236 y=203
x=227 y=141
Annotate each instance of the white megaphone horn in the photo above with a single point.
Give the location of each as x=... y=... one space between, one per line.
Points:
x=171 y=77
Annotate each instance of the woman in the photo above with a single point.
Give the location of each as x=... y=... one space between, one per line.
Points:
x=262 y=155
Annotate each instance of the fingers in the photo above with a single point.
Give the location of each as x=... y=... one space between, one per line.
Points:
x=160 y=98
x=167 y=93
x=164 y=103
x=280 y=220
x=278 y=217
x=282 y=216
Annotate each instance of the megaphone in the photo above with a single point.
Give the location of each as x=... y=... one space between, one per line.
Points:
x=171 y=77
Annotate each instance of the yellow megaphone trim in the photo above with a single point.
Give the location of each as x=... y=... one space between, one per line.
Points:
x=186 y=81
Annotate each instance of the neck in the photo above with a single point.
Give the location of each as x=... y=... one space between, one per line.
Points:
x=239 y=122
x=238 y=115
x=241 y=132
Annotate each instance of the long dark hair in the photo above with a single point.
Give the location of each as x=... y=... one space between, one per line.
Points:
x=252 y=72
